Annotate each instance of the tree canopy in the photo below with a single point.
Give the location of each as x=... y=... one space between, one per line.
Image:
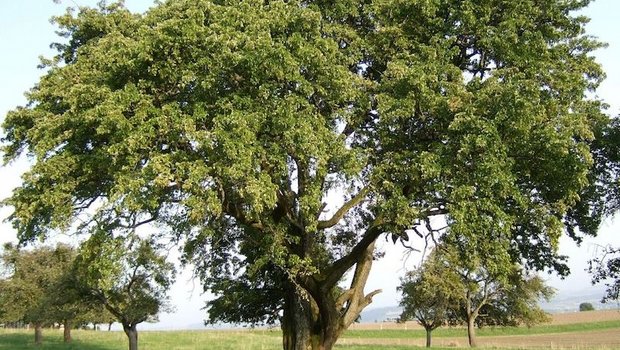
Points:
x=129 y=276
x=29 y=291
x=476 y=291
x=586 y=307
x=278 y=140
x=430 y=295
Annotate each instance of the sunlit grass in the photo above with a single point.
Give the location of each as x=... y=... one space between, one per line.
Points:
x=488 y=331
x=263 y=339
x=148 y=340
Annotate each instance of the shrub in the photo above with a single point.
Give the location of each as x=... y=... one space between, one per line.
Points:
x=586 y=307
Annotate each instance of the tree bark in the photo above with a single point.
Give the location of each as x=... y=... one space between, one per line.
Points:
x=296 y=322
x=110 y=326
x=132 y=335
x=38 y=333
x=308 y=325
x=314 y=317
x=67 y=331
x=428 y=337
x=471 y=332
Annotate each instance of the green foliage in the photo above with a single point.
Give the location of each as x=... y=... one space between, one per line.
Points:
x=586 y=307
x=231 y=125
x=605 y=267
x=127 y=275
x=34 y=289
x=450 y=289
x=517 y=303
x=429 y=293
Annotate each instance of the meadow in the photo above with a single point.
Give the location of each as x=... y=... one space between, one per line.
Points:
x=576 y=335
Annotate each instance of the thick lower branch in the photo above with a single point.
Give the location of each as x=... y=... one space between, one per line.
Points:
x=341 y=266
x=357 y=300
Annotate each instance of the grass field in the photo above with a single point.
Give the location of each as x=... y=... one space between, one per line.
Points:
x=561 y=335
x=485 y=332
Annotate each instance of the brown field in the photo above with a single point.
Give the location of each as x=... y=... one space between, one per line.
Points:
x=588 y=316
x=557 y=319
x=599 y=339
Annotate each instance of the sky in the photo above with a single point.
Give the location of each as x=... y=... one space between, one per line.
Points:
x=25 y=34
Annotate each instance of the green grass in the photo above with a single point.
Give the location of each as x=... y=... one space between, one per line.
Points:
x=254 y=339
x=168 y=340
x=147 y=340
x=489 y=331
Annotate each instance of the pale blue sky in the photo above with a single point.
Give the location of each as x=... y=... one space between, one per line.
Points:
x=25 y=33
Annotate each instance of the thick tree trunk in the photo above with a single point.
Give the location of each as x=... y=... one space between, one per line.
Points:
x=314 y=317
x=38 y=333
x=67 y=331
x=471 y=332
x=132 y=335
x=296 y=322
x=304 y=327
x=428 y=337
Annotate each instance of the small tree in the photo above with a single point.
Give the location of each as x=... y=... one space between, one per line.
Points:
x=586 y=307
x=67 y=306
x=484 y=289
x=127 y=275
x=99 y=316
x=428 y=295
x=30 y=293
x=517 y=302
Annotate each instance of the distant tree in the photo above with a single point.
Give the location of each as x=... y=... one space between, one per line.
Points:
x=31 y=291
x=485 y=289
x=429 y=294
x=517 y=302
x=67 y=305
x=99 y=315
x=127 y=275
x=586 y=307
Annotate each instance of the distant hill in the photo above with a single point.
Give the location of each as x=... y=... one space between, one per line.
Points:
x=381 y=314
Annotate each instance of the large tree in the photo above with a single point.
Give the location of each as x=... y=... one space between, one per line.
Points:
x=279 y=140
x=129 y=276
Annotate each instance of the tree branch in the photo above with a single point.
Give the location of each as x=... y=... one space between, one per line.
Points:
x=285 y=200
x=340 y=266
x=357 y=300
x=135 y=224
x=358 y=198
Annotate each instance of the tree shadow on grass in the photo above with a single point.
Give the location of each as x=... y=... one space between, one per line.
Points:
x=25 y=341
